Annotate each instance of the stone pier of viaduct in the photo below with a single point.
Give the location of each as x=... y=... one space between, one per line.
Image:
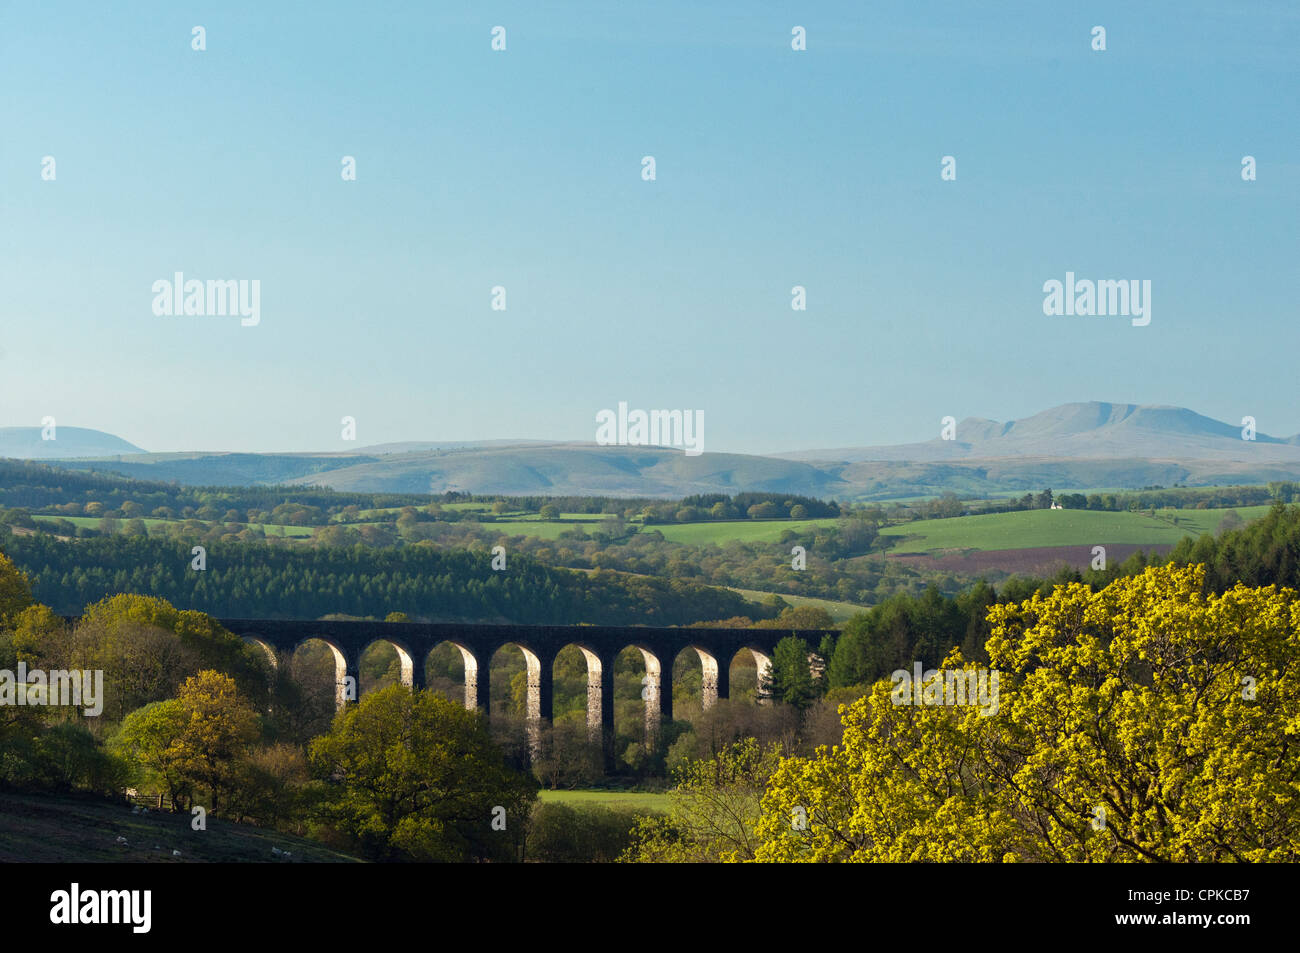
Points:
x=540 y=644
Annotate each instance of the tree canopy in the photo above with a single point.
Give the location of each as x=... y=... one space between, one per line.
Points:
x=415 y=776
x=1148 y=721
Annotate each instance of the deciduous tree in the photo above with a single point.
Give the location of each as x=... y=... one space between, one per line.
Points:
x=415 y=776
x=1148 y=721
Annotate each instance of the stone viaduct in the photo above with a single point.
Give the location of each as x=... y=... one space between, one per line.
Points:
x=540 y=644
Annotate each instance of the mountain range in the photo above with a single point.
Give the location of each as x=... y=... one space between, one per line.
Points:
x=1093 y=429
x=1071 y=447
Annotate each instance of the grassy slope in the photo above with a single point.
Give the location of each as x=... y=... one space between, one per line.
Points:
x=748 y=531
x=839 y=611
x=1028 y=529
x=47 y=828
x=627 y=799
x=532 y=528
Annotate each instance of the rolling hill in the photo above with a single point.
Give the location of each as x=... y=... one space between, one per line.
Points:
x=1093 y=429
x=26 y=443
x=1077 y=446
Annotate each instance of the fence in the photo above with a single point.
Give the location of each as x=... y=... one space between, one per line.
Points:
x=155 y=802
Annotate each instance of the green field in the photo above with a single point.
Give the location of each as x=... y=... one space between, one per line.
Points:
x=569 y=517
x=531 y=528
x=644 y=800
x=1029 y=529
x=697 y=534
x=746 y=531
x=839 y=611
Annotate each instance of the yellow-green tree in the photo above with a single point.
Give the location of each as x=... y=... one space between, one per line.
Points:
x=147 y=647
x=195 y=743
x=15 y=590
x=41 y=637
x=715 y=805
x=145 y=740
x=219 y=732
x=1149 y=721
x=415 y=776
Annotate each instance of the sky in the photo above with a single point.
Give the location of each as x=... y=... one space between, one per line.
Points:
x=522 y=168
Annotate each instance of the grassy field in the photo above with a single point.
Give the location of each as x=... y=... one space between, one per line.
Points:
x=569 y=517
x=749 y=531
x=485 y=508
x=839 y=611
x=645 y=800
x=1029 y=529
x=530 y=528
x=746 y=531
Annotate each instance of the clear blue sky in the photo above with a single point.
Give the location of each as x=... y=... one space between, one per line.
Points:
x=522 y=169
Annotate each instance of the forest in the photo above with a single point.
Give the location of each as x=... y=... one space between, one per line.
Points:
x=261 y=580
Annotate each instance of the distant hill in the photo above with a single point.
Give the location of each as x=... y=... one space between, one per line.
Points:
x=1074 y=446
x=546 y=469
x=1092 y=429
x=224 y=469
x=415 y=446
x=25 y=443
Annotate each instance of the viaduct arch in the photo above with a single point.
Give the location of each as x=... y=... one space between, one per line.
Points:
x=540 y=644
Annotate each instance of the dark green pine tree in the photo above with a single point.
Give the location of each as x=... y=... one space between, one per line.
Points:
x=789 y=679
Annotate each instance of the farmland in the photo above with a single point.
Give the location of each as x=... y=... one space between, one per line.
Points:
x=1017 y=530
x=746 y=531
x=1030 y=529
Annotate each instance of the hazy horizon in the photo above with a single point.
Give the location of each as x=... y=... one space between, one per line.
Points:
x=1259 y=436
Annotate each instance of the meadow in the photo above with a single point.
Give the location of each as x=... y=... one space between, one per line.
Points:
x=839 y=611
x=745 y=531
x=640 y=800
x=1030 y=529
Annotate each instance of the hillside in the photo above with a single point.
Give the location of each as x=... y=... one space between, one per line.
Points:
x=42 y=828
x=1037 y=542
x=1028 y=529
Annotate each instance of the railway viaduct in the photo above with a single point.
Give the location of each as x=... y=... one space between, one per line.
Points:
x=540 y=644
